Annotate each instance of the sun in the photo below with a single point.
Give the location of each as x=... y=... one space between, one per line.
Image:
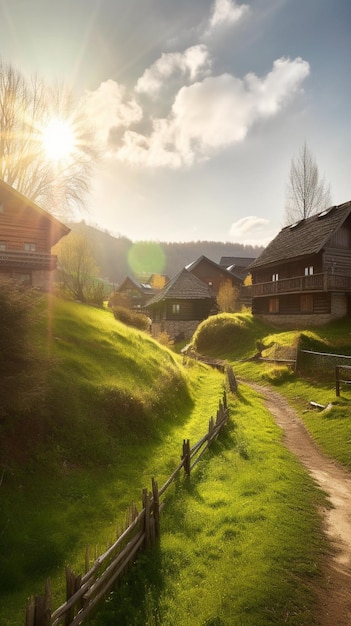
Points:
x=58 y=139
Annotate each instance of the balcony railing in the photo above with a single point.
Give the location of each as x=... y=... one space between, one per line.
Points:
x=315 y=282
x=29 y=260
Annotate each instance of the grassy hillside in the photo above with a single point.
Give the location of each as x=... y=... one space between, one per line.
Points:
x=79 y=450
x=235 y=337
x=109 y=410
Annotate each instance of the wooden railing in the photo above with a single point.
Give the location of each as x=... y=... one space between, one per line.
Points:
x=314 y=282
x=16 y=258
x=84 y=592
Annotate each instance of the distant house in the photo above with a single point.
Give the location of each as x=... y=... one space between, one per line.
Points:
x=304 y=274
x=212 y=274
x=181 y=305
x=27 y=234
x=239 y=266
x=132 y=294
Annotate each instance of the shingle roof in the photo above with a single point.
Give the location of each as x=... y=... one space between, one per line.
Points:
x=184 y=286
x=219 y=268
x=236 y=261
x=142 y=287
x=306 y=237
x=57 y=228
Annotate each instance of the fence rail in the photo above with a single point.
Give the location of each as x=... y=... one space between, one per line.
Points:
x=338 y=380
x=84 y=592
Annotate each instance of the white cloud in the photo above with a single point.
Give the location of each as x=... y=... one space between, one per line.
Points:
x=212 y=114
x=226 y=12
x=109 y=107
x=248 y=224
x=252 y=230
x=193 y=63
x=282 y=82
x=206 y=116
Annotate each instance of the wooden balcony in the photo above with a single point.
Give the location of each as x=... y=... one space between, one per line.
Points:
x=27 y=260
x=301 y=284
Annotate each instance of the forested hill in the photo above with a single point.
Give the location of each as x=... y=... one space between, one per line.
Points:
x=112 y=253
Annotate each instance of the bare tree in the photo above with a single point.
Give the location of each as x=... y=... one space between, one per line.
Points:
x=307 y=193
x=26 y=107
x=77 y=266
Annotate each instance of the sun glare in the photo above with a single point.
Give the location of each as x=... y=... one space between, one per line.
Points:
x=58 y=139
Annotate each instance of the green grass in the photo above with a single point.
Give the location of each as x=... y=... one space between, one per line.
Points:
x=232 y=542
x=113 y=412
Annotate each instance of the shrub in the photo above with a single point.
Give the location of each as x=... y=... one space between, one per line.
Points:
x=19 y=371
x=131 y=318
x=221 y=331
x=165 y=340
x=96 y=293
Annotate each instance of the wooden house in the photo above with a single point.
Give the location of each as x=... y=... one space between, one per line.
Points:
x=239 y=266
x=304 y=274
x=131 y=294
x=180 y=306
x=27 y=234
x=213 y=274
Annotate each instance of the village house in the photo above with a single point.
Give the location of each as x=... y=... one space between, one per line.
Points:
x=213 y=274
x=304 y=274
x=27 y=234
x=239 y=266
x=180 y=306
x=131 y=294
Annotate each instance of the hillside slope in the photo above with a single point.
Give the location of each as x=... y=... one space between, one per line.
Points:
x=113 y=254
x=73 y=456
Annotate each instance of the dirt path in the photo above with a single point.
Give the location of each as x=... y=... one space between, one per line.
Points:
x=335 y=597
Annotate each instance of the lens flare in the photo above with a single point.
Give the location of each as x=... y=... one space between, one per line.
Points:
x=59 y=139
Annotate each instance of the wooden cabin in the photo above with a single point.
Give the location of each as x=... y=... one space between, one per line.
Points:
x=304 y=274
x=131 y=294
x=213 y=274
x=239 y=266
x=27 y=234
x=180 y=306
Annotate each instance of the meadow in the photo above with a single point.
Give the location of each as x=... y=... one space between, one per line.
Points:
x=112 y=410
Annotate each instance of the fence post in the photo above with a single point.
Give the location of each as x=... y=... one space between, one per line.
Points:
x=38 y=612
x=73 y=583
x=233 y=386
x=210 y=430
x=156 y=507
x=186 y=456
x=337 y=380
x=30 y=612
x=147 y=508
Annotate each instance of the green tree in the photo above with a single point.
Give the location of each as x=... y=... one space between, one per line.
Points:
x=307 y=193
x=76 y=265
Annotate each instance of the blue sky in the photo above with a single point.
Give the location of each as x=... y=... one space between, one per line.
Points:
x=198 y=106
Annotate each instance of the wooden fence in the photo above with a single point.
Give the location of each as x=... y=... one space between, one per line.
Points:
x=84 y=592
x=347 y=381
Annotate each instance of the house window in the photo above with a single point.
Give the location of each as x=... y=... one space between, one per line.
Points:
x=210 y=283
x=309 y=270
x=273 y=305
x=2 y=246
x=275 y=277
x=30 y=247
x=175 y=309
x=306 y=303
